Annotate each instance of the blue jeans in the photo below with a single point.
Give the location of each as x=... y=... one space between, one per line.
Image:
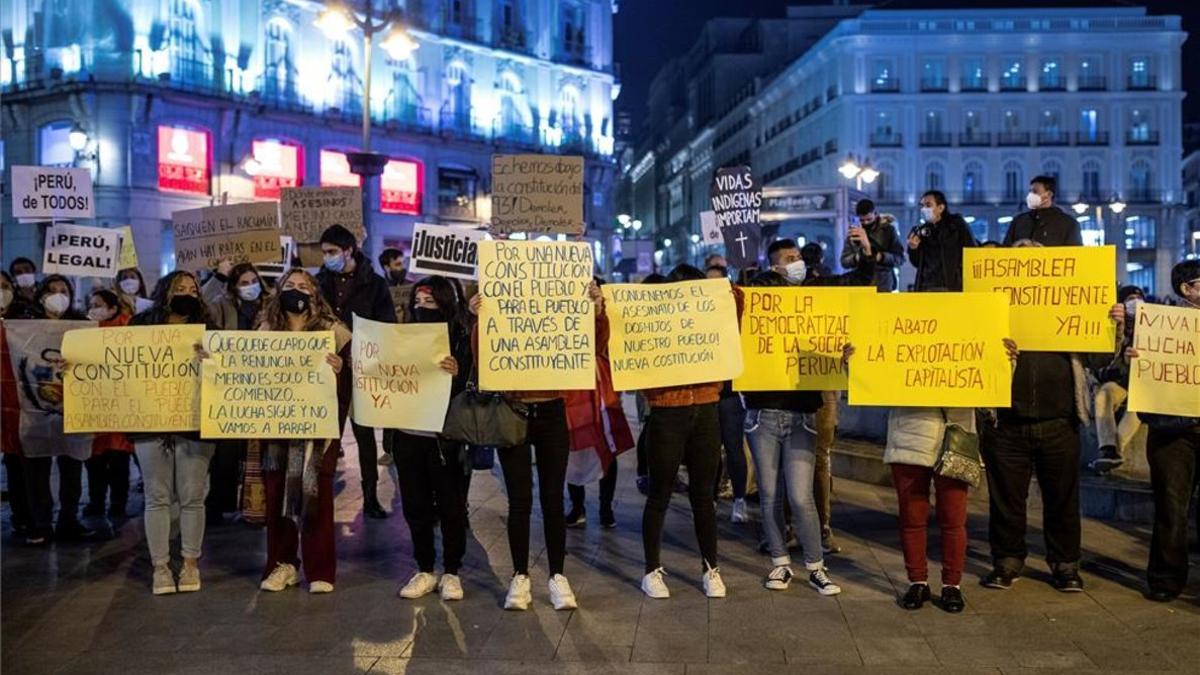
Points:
x=782 y=444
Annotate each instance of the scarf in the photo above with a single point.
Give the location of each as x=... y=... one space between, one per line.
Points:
x=300 y=460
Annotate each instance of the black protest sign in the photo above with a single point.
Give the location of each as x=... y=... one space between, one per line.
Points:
x=736 y=199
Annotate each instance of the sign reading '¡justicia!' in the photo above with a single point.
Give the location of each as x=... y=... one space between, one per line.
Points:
x=537 y=194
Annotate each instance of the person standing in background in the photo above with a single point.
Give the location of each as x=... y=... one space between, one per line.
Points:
x=935 y=247
x=391 y=261
x=887 y=251
x=24 y=275
x=108 y=467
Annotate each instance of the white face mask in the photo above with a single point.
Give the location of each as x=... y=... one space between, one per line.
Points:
x=6 y=296
x=795 y=271
x=250 y=293
x=56 y=303
x=130 y=286
x=26 y=280
x=927 y=214
x=1033 y=200
x=99 y=314
x=1131 y=306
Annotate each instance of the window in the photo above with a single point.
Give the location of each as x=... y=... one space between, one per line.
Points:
x=1050 y=122
x=934 y=176
x=183 y=160
x=1089 y=126
x=972 y=188
x=457 y=12
x=1014 y=180
x=1052 y=169
x=511 y=120
x=883 y=76
x=882 y=183
x=1140 y=232
x=570 y=113
x=1139 y=181
x=335 y=170
x=1091 y=73
x=883 y=132
x=54 y=146
x=1091 y=181
x=973 y=77
x=344 y=83
x=1140 y=76
x=1012 y=78
x=279 y=73
x=972 y=132
x=1050 y=76
x=401 y=187
x=456 y=111
x=403 y=100
x=456 y=192
x=934 y=129
x=189 y=58
x=933 y=75
x=1012 y=120
x=279 y=165
x=1139 y=126
x=573 y=35
x=508 y=15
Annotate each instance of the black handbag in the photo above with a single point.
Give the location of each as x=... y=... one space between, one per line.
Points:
x=959 y=458
x=486 y=418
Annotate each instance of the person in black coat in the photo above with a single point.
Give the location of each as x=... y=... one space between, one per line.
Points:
x=351 y=287
x=888 y=253
x=1044 y=222
x=935 y=247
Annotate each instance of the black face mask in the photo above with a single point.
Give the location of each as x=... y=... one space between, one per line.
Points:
x=185 y=305
x=426 y=315
x=295 y=301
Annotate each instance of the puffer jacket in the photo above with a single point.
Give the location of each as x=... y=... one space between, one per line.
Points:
x=915 y=434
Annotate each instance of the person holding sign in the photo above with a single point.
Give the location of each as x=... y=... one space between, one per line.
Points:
x=108 y=467
x=175 y=465
x=299 y=473
x=432 y=470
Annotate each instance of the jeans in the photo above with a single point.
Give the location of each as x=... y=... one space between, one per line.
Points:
x=688 y=434
x=174 y=469
x=432 y=478
x=912 y=493
x=551 y=443
x=314 y=537
x=1014 y=451
x=1173 y=458
x=109 y=471
x=1109 y=399
x=782 y=448
x=608 y=488
x=733 y=421
x=826 y=424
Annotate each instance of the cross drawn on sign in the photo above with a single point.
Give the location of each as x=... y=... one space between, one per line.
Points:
x=741 y=240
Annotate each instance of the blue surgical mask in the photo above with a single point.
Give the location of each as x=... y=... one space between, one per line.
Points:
x=250 y=293
x=335 y=263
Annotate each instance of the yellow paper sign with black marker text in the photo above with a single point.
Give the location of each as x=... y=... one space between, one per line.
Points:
x=1165 y=377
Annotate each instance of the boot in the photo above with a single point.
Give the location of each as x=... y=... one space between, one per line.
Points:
x=371 y=506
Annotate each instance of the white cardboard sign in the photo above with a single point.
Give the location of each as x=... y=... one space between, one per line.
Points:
x=52 y=192
x=80 y=251
x=446 y=250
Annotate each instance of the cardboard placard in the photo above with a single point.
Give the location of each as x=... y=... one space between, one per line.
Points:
x=737 y=200
x=710 y=231
x=52 y=192
x=537 y=194
x=305 y=212
x=81 y=251
x=1165 y=377
x=446 y=250
x=537 y=327
x=129 y=259
x=242 y=232
x=398 y=382
x=1060 y=295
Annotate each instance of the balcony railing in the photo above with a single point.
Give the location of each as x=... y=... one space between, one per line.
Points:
x=514 y=38
x=467 y=28
x=935 y=139
x=1052 y=85
x=935 y=84
x=975 y=138
x=513 y=134
x=1012 y=138
x=1092 y=83
x=1091 y=138
x=280 y=93
x=1142 y=83
x=886 y=139
x=408 y=115
x=1053 y=138
x=972 y=85
x=888 y=86
x=455 y=122
x=574 y=53
x=1012 y=85
x=1141 y=138
x=1139 y=195
x=974 y=197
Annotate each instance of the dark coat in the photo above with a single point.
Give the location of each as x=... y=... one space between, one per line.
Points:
x=1049 y=227
x=885 y=240
x=368 y=295
x=939 y=258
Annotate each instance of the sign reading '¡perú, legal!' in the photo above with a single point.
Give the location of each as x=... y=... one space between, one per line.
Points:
x=537 y=194
x=51 y=192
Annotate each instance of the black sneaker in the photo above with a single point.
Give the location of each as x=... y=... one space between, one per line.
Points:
x=72 y=530
x=608 y=519
x=577 y=517
x=1161 y=595
x=1108 y=460
x=998 y=580
x=952 y=599
x=643 y=484
x=916 y=597
x=1068 y=582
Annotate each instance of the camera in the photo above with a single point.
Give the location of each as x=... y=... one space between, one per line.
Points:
x=923 y=231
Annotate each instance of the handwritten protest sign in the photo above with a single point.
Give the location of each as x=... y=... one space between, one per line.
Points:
x=33 y=382
x=76 y=250
x=305 y=212
x=537 y=328
x=1165 y=377
x=242 y=232
x=710 y=230
x=268 y=384
x=398 y=383
x=925 y=349
x=538 y=194
x=136 y=379
x=129 y=259
x=737 y=199
x=1060 y=295
x=792 y=338
x=52 y=192
x=446 y=250
x=664 y=335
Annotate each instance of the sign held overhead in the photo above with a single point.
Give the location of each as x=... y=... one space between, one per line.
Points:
x=446 y=250
x=737 y=200
x=242 y=232
x=52 y=192
x=537 y=194
x=305 y=212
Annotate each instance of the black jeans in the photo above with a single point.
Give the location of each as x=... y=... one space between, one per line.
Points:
x=1014 y=451
x=18 y=492
x=642 y=468
x=37 y=472
x=224 y=477
x=608 y=488
x=431 y=492
x=733 y=439
x=551 y=442
x=368 y=454
x=1173 y=458
x=109 y=472
x=692 y=435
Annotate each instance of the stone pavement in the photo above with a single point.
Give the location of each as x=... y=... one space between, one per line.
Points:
x=87 y=608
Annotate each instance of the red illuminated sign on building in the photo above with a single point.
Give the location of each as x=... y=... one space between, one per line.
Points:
x=401 y=187
x=183 y=160
x=278 y=166
x=335 y=170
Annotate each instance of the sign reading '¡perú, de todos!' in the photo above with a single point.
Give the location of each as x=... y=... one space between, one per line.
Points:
x=537 y=194
x=52 y=192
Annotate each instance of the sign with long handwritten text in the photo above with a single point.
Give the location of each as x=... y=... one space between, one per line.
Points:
x=305 y=212
x=930 y=349
x=1060 y=295
x=538 y=194
x=398 y=383
x=1165 y=377
x=241 y=232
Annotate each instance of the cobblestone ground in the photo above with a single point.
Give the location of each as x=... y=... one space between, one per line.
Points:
x=87 y=608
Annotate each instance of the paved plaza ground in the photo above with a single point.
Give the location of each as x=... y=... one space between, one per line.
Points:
x=87 y=608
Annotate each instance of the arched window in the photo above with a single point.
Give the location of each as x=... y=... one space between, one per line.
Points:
x=972 y=187
x=1052 y=169
x=343 y=80
x=1091 y=181
x=1140 y=176
x=279 y=72
x=884 y=192
x=935 y=176
x=456 y=111
x=190 y=59
x=1014 y=180
x=512 y=119
x=569 y=112
x=403 y=100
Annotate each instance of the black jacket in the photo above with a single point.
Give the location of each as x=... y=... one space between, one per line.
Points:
x=1048 y=227
x=367 y=296
x=884 y=239
x=939 y=258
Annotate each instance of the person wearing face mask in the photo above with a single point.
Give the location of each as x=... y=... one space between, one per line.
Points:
x=431 y=469
x=935 y=247
x=24 y=274
x=298 y=474
x=1112 y=436
x=12 y=306
x=885 y=242
x=131 y=286
x=108 y=467
x=12 y=303
x=391 y=261
x=351 y=287
x=174 y=465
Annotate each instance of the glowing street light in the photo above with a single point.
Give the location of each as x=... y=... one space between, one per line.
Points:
x=859 y=173
x=1079 y=208
x=77 y=138
x=1117 y=206
x=623 y=220
x=849 y=169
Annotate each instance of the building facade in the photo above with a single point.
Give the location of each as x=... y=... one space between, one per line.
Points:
x=973 y=103
x=183 y=103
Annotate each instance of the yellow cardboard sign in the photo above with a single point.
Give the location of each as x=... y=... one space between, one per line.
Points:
x=1165 y=377
x=133 y=379
x=129 y=259
x=537 y=326
x=930 y=350
x=398 y=383
x=665 y=335
x=268 y=384
x=792 y=337
x=1060 y=295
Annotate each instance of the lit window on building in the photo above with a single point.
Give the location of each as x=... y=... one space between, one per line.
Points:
x=54 y=145
x=1089 y=125
x=1139 y=73
x=1140 y=177
x=190 y=59
x=456 y=111
x=277 y=165
x=335 y=170
x=883 y=76
x=401 y=187
x=183 y=160
x=1013 y=75
x=279 y=71
x=1139 y=126
x=1050 y=76
x=933 y=74
x=344 y=83
x=973 y=77
x=456 y=192
x=1140 y=232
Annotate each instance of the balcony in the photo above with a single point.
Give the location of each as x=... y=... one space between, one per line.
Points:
x=462 y=28
x=1092 y=83
x=974 y=197
x=977 y=139
x=513 y=38
x=1142 y=83
x=1142 y=195
x=973 y=85
x=888 y=86
x=278 y=91
x=1136 y=137
x=1012 y=138
x=408 y=116
x=935 y=139
x=886 y=139
x=934 y=84
x=573 y=52
x=1013 y=85
x=1052 y=138
x=455 y=122
x=1091 y=138
x=1052 y=85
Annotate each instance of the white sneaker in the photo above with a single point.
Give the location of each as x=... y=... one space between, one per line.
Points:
x=164 y=580
x=420 y=585
x=654 y=586
x=561 y=595
x=280 y=578
x=318 y=587
x=740 y=513
x=779 y=578
x=519 y=595
x=451 y=587
x=713 y=586
x=819 y=579
x=189 y=579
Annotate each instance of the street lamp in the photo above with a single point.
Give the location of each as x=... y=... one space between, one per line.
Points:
x=77 y=138
x=1079 y=208
x=859 y=173
x=623 y=220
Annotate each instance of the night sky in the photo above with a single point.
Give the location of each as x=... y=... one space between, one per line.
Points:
x=650 y=32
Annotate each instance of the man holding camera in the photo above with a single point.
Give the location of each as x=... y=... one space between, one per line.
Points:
x=935 y=247
x=887 y=252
